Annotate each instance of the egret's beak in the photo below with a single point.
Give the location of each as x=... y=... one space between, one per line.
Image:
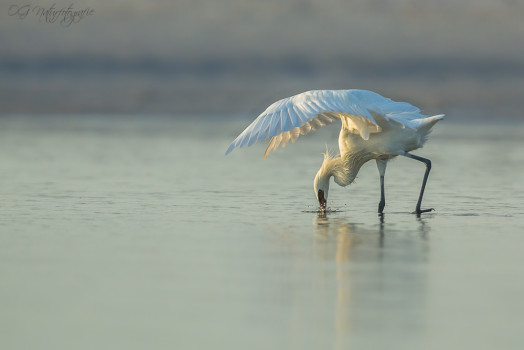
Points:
x=321 y=200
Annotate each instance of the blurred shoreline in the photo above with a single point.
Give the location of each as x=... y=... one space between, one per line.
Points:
x=155 y=86
x=229 y=56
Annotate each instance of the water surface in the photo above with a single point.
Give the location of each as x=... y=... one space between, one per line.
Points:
x=137 y=232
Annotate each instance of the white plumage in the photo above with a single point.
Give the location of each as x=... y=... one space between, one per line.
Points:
x=373 y=127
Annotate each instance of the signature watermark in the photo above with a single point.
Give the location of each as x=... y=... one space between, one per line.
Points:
x=65 y=16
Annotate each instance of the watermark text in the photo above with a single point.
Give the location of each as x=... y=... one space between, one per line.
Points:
x=65 y=16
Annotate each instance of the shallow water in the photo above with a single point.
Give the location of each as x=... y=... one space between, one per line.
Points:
x=137 y=232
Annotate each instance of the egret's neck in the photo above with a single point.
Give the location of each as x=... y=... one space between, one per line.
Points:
x=344 y=169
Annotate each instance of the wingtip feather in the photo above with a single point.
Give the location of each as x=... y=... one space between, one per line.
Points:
x=231 y=147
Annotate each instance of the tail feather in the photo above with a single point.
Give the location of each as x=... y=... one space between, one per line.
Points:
x=427 y=123
x=425 y=126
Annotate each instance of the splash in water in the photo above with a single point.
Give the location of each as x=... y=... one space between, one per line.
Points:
x=322 y=211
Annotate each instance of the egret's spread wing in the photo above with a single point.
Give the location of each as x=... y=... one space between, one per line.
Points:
x=387 y=112
x=291 y=117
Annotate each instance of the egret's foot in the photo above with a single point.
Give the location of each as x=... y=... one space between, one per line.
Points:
x=381 y=208
x=418 y=212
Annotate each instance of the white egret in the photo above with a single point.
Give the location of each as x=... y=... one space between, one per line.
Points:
x=373 y=127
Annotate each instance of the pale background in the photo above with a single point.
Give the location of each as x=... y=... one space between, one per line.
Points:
x=124 y=226
x=233 y=56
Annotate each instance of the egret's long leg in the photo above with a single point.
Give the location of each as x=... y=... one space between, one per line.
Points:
x=381 y=165
x=426 y=174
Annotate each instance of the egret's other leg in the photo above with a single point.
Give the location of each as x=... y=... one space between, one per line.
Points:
x=426 y=174
x=381 y=165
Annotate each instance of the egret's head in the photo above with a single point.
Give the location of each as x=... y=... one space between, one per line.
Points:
x=321 y=186
x=321 y=183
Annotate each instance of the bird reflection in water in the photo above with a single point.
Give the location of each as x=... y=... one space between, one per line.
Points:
x=356 y=246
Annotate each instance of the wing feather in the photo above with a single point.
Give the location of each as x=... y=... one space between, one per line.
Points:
x=285 y=119
x=255 y=131
x=295 y=133
x=273 y=144
x=264 y=129
x=362 y=112
x=305 y=129
x=300 y=115
x=295 y=120
x=315 y=124
x=276 y=124
x=285 y=139
x=325 y=119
